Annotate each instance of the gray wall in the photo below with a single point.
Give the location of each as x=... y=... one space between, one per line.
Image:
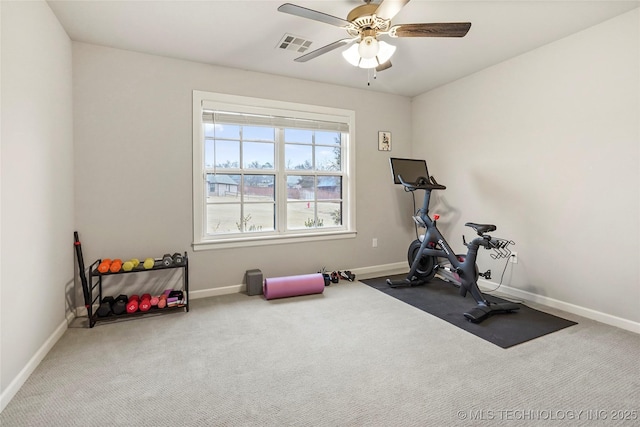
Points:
x=546 y=147
x=133 y=170
x=37 y=263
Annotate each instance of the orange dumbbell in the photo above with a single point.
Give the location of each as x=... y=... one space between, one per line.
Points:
x=116 y=265
x=104 y=265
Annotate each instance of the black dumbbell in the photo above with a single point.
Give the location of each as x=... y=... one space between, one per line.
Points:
x=178 y=259
x=167 y=260
x=120 y=304
x=105 y=307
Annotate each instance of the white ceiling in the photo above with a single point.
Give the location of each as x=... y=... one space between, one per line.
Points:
x=245 y=35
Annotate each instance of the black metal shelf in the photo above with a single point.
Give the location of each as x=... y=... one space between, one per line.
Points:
x=151 y=312
x=95 y=275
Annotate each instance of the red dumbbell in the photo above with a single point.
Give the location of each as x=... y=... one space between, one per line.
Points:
x=132 y=305
x=145 y=302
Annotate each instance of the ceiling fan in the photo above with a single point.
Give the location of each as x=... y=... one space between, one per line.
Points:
x=365 y=24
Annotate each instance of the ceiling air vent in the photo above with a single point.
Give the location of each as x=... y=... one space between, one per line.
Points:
x=294 y=43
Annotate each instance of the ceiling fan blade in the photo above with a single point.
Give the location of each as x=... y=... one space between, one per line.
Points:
x=313 y=14
x=390 y=8
x=384 y=66
x=443 y=29
x=324 y=49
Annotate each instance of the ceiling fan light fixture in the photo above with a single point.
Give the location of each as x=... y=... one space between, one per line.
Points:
x=368 y=48
x=368 y=63
x=351 y=55
x=385 y=52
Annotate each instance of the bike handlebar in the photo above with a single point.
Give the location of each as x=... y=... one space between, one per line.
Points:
x=423 y=183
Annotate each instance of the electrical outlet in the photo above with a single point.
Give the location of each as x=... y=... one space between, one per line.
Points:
x=514 y=257
x=374 y=243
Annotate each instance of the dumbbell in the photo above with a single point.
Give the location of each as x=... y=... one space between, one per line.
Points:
x=178 y=259
x=120 y=304
x=145 y=302
x=132 y=304
x=162 y=299
x=105 y=307
x=148 y=263
x=104 y=265
x=154 y=301
x=167 y=260
x=116 y=265
x=131 y=264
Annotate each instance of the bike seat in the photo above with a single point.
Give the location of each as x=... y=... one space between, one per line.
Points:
x=481 y=228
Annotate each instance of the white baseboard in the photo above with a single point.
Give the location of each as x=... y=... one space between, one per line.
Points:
x=401 y=267
x=598 y=316
x=214 y=292
x=380 y=270
x=33 y=363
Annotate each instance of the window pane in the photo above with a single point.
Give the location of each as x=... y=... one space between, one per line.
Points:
x=328 y=138
x=300 y=187
x=223 y=188
x=330 y=214
x=209 y=159
x=270 y=174
x=223 y=218
x=301 y=215
x=227 y=131
x=259 y=217
x=257 y=155
x=327 y=158
x=227 y=154
x=259 y=188
x=259 y=133
x=298 y=135
x=329 y=187
x=298 y=157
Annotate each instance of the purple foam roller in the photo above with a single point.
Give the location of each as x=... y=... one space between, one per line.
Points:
x=291 y=286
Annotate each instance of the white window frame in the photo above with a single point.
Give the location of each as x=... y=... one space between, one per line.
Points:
x=202 y=241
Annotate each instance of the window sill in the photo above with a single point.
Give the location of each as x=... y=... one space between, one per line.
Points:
x=244 y=242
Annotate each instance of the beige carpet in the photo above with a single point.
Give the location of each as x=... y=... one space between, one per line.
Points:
x=352 y=356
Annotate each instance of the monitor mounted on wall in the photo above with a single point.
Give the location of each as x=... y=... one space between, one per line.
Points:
x=409 y=169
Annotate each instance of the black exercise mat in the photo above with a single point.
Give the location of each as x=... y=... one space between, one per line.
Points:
x=443 y=300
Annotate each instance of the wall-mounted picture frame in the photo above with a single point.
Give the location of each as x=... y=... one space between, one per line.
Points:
x=384 y=140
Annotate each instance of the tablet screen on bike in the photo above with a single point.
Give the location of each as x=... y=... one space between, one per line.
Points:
x=409 y=169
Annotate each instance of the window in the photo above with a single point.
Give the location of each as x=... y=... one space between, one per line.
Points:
x=270 y=172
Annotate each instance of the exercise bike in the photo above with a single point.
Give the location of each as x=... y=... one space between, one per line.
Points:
x=430 y=254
